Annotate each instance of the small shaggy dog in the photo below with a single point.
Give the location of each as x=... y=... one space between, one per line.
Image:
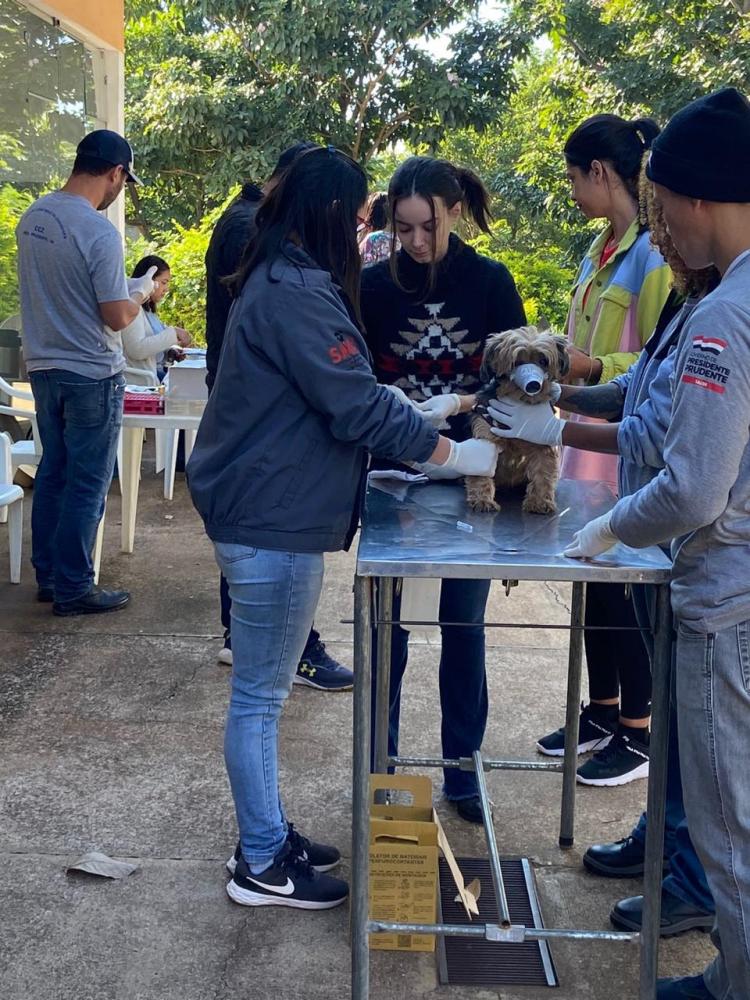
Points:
x=518 y=462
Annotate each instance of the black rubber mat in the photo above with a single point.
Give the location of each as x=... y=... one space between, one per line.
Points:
x=477 y=962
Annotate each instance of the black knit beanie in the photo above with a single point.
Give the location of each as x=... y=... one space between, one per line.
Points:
x=704 y=151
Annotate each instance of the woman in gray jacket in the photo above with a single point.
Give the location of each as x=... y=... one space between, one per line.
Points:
x=278 y=474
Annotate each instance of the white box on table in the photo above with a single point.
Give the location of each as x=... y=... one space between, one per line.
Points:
x=187 y=380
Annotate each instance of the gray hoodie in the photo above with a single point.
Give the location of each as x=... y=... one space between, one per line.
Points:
x=701 y=498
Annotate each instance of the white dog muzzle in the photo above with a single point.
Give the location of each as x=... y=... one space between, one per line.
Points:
x=529 y=378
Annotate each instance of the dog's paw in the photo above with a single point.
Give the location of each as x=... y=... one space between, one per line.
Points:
x=484 y=506
x=539 y=505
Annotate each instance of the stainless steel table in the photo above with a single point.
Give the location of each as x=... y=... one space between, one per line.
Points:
x=427 y=531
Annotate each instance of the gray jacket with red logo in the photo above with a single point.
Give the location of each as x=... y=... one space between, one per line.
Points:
x=701 y=497
x=281 y=455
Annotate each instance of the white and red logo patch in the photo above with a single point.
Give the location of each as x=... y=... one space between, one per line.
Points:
x=702 y=367
x=711 y=345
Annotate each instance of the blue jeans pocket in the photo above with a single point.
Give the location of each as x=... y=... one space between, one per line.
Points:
x=84 y=403
x=743 y=652
x=231 y=552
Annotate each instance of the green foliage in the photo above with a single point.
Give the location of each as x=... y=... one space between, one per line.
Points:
x=184 y=249
x=654 y=55
x=217 y=88
x=13 y=203
x=544 y=285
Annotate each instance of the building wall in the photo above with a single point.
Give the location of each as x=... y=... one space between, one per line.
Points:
x=99 y=21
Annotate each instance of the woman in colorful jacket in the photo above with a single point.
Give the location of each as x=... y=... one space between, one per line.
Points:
x=621 y=288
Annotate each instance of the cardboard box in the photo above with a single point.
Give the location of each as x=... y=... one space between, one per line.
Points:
x=404 y=844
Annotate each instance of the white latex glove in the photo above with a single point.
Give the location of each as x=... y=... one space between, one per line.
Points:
x=142 y=287
x=467 y=458
x=401 y=395
x=593 y=539
x=555 y=391
x=437 y=409
x=533 y=422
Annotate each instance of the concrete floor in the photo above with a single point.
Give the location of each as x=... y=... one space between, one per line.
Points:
x=111 y=739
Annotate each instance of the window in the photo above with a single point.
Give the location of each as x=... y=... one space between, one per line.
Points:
x=51 y=93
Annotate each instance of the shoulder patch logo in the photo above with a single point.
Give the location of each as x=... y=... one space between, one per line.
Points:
x=711 y=345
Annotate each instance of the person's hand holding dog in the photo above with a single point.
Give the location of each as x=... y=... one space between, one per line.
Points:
x=466 y=458
x=437 y=409
x=593 y=539
x=533 y=422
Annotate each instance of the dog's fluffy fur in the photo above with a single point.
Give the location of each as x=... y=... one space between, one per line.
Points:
x=518 y=461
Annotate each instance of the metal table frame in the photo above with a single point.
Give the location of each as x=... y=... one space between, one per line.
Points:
x=417 y=555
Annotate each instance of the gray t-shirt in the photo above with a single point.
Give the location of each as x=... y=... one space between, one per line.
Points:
x=69 y=260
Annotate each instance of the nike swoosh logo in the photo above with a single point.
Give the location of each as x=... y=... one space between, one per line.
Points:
x=282 y=890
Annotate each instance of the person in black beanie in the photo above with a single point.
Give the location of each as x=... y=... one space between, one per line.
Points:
x=700 y=168
x=427 y=315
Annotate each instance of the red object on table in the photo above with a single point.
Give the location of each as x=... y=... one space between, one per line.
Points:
x=143 y=402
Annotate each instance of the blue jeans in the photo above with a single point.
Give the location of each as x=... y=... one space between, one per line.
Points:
x=713 y=705
x=686 y=879
x=79 y=422
x=274 y=596
x=462 y=678
x=226 y=619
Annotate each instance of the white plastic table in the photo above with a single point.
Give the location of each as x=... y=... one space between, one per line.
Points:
x=179 y=415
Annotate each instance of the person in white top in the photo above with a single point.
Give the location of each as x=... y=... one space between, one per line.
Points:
x=146 y=340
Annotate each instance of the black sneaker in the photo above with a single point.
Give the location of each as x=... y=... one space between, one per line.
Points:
x=319 y=670
x=320 y=856
x=469 y=809
x=45 y=595
x=289 y=881
x=595 y=730
x=623 y=760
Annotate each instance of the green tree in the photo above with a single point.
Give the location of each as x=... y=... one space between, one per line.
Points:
x=656 y=55
x=216 y=88
x=13 y=203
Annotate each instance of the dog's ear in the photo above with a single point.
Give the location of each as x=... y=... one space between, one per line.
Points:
x=562 y=356
x=492 y=348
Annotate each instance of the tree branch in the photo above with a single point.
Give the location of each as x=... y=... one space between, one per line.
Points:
x=378 y=79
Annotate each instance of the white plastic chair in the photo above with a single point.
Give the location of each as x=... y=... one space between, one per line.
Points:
x=11 y=502
x=24 y=453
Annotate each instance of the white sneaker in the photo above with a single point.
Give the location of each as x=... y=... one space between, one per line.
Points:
x=225 y=656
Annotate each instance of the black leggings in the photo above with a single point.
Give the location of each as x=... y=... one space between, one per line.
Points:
x=618 y=663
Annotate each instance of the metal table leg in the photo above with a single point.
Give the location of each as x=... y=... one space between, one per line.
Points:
x=382 y=694
x=361 y=787
x=661 y=669
x=572 y=711
x=503 y=912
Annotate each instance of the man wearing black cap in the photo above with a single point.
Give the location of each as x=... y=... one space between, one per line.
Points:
x=700 y=166
x=231 y=237
x=72 y=285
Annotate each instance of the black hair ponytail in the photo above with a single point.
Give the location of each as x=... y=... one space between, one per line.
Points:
x=615 y=140
x=475 y=198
